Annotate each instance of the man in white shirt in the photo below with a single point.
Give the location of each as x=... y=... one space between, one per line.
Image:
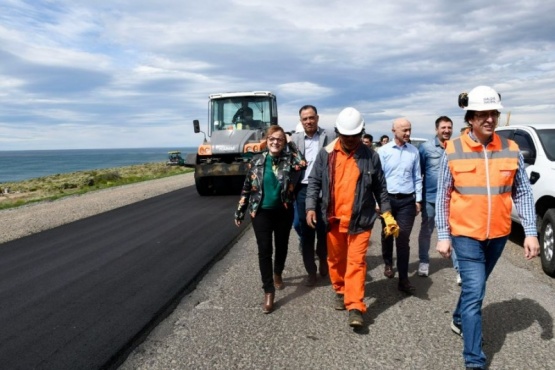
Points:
x=309 y=143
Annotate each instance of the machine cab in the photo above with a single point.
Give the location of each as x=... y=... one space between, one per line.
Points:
x=255 y=110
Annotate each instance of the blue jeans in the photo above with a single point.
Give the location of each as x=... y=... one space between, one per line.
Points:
x=454 y=260
x=426 y=229
x=476 y=262
x=425 y=236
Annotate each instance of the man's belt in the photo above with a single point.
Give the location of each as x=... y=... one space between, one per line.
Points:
x=400 y=195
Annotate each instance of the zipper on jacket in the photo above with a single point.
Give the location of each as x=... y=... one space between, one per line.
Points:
x=488 y=190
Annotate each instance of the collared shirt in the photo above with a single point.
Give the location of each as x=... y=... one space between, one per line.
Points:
x=430 y=159
x=521 y=194
x=401 y=167
x=311 y=149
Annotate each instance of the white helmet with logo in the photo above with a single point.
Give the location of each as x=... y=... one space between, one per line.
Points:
x=480 y=98
x=349 y=122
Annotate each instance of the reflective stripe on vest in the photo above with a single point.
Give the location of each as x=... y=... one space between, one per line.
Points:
x=480 y=190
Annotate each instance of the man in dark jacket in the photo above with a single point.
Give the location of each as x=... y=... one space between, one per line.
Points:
x=349 y=176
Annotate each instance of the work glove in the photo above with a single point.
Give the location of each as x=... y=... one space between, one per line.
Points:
x=391 y=227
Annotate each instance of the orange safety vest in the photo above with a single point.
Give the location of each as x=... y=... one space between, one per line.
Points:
x=480 y=205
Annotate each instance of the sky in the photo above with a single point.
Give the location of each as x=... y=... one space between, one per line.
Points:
x=78 y=74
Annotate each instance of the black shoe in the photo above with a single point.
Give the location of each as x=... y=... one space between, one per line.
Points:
x=339 y=302
x=475 y=368
x=311 y=280
x=456 y=328
x=405 y=286
x=355 y=319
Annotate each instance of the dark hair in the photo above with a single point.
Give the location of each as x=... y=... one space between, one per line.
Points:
x=368 y=136
x=308 y=106
x=443 y=119
x=384 y=137
x=468 y=116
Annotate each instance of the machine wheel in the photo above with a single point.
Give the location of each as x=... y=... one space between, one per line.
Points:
x=203 y=188
x=547 y=237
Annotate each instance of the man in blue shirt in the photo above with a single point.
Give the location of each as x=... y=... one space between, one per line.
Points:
x=401 y=165
x=430 y=157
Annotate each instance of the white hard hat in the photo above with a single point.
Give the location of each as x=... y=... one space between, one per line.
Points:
x=349 y=122
x=480 y=98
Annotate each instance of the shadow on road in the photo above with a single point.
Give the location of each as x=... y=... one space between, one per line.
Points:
x=503 y=318
x=384 y=292
x=517 y=234
x=298 y=281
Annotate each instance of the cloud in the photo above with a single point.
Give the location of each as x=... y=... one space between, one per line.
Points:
x=95 y=74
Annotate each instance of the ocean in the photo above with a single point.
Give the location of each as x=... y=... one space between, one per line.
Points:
x=19 y=165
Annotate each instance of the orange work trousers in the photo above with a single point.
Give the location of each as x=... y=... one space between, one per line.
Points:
x=347 y=265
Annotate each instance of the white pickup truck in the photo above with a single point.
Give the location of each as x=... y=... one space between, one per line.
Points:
x=537 y=144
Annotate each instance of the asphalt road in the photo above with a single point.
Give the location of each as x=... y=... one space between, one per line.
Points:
x=80 y=296
x=220 y=324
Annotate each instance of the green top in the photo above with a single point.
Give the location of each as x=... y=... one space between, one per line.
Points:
x=271 y=196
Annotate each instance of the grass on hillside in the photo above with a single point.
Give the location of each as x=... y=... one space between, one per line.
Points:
x=15 y=194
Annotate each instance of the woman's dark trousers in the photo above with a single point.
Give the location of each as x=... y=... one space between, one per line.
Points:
x=271 y=224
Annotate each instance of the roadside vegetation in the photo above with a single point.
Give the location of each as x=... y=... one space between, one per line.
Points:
x=48 y=188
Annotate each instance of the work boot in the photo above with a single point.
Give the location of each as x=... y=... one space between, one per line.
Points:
x=355 y=319
x=339 y=302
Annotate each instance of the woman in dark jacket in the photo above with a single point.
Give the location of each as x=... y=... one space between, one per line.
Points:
x=268 y=194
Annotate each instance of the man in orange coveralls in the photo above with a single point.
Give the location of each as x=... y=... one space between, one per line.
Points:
x=349 y=176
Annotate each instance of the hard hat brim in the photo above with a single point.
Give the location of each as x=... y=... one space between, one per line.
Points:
x=355 y=131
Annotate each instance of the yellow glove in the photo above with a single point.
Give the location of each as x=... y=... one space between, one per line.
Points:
x=391 y=227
